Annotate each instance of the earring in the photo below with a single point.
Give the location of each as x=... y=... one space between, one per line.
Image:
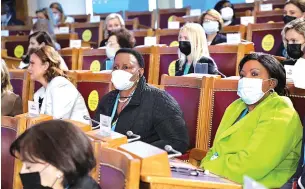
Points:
x=58 y=175
x=272 y=90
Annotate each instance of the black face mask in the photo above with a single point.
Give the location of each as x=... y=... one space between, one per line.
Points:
x=288 y=19
x=32 y=181
x=294 y=51
x=185 y=47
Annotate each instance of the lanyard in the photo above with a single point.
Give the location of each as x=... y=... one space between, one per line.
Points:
x=186 y=69
x=115 y=107
x=304 y=156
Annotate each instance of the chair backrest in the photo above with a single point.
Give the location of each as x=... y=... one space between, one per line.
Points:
x=168 y=37
x=146 y=18
x=11 y=62
x=242 y=7
x=238 y=15
x=140 y=35
x=297 y=97
x=89 y=32
x=269 y=16
x=92 y=86
x=92 y=59
x=18 y=30
x=64 y=39
x=118 y=170
x=132 y=24
x=70 y=56
x=16 y=46
x=165 y=62
x=166 y=15
x=219 y=96
x=104 y=15
x=266 y=37
x=11 y=128
x=148 y=56
x=187 y=92
x=20 y=81
x=235 y=29
x=81 y=17
x=185 y=19
x=232 y=54
x=276 y=4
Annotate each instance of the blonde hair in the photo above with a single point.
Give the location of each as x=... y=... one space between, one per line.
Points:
x=110 y=17
x=199 y=45
x=6 y=85
x=215 y=14
x=298 y=25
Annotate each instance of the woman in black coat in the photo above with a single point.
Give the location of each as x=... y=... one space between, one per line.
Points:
x=135 y=106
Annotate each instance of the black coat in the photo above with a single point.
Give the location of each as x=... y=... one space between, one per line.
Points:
x=219 y=38
x=151 y=113
x=212 y=67
x=85 y=182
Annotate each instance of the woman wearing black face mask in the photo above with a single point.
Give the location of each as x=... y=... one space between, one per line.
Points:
x=293 y=9
x=55 y=155
x=193 y=51
x=294 y=40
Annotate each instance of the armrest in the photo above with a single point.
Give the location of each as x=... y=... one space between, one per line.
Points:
x=143 y=26
x=196 y=155
x=84 y=127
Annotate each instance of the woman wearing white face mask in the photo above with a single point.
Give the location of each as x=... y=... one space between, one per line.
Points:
x=118 y=39
x=226 y=9
x=212 y=23
x=135 y=106
x=260 y=134
x=59 y=15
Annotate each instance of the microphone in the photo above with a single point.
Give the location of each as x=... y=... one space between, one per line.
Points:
x=94 y=121
x=131 y=134
x=169 y=148
x=223 y=75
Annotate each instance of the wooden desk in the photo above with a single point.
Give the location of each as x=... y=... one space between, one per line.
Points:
x=114 y=141
x=178 y=181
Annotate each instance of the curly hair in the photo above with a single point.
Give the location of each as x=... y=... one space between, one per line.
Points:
x=124 y=37
x=48 y=54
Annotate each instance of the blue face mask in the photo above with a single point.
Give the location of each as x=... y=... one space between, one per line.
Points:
x=250 y=90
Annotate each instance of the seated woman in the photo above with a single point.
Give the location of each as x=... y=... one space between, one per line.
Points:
x=260 y=134
x=58 y=97
x=293 y=9
x=226 y=9
x=135 y=106
x=118 y=39
x=193 y=50
x=45 y=13
x=37 y=40
x=11 y=103
x=212 y=23
x=294 y=41
x=55 y=154
x=59 y=15
x=113 y=21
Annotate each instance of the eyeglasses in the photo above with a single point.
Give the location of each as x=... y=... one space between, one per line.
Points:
x=187 y=171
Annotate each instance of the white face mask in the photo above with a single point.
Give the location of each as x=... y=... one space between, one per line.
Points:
x=121 y=80
x=210 y=27
x=110 y=52
x=227 y=13
x=250 y=90
x=298 y=75
x=56 y=17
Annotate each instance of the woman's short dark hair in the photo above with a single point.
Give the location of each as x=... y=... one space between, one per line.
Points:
x=220 y=4
x=135 y=53
x=297 y=3
x=42 y=37
x=274 y=68
x=60 y=144
x=124 y=37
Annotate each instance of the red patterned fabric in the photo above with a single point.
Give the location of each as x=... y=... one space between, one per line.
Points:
x=8 y=135
x=222 y=99
x=226 y=62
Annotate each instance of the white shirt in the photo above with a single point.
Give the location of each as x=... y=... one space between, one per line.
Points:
x=62 y=100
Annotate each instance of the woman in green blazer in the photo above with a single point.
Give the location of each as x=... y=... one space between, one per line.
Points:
x=260 y=134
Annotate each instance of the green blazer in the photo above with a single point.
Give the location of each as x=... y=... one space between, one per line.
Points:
x=264 y=145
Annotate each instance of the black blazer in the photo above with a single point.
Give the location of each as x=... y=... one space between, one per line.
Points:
x=212 y=67
x=103 y=42
x=85 y=182
x=151 y=113
x=219 y=38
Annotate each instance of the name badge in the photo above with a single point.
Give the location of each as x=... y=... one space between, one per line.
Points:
x=63 y=29
x=76 y=43
x=33 y=109
x=214 y=156
x=266 y=7
x=173 y=25
x=195 y=12
x=95 y=19
x=245 y=20
x=105 y=125
x=233 y=38
x=150 y=41
x=4 y=33
x=288 y=69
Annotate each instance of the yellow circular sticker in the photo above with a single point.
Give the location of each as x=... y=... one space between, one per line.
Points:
x=170 y=19
x=172 y=68
x=95 y=66
x=93 y=100
x=174 y=44
x=18 y=51
x=268 y=42
x=87 y=35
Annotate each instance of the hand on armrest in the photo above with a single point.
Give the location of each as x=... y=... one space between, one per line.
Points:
x=196 y=155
